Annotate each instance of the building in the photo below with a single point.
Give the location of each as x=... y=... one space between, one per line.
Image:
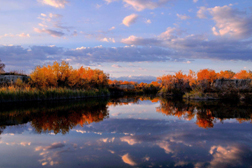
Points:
x=8 y=78
x=238 y=83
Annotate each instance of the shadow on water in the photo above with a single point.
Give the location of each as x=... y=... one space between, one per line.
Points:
x=62 y=116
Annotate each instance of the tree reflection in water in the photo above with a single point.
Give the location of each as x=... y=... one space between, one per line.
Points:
x=61 y=117
x=206 y=113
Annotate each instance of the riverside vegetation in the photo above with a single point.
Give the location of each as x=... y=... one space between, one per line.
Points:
x=61 y=81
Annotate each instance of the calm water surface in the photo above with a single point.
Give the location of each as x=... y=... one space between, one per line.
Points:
x=126 y=132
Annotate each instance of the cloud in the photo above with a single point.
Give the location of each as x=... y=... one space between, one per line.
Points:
x=105 y=39
x=98 y=6
x=195 y=1
x=20 y=58
x=112 y=28
x=130 y=140
x=168 y=46
x=51 y=153
x=183 y=17
x=129 y=20
x=166 y=146
x=229 y=21
x=148 y=21
x=17 y=35
x=54 y=3
x=128 y=160
x=53 y=33
x=119 y=54
x=133 y=40
x=24 y=35
x=202 y=13
x=74 y=33
x=231 y=156
x=55 y=145
x=110 y=1
x=140 y=5
x=116 y=66
x=196 y=46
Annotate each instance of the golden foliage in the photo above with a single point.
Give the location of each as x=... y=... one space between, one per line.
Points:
x=65 y=76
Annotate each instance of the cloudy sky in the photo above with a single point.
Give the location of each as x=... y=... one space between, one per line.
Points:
x=127 y=38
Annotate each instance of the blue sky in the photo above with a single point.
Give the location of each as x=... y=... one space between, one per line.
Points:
x=127 y=38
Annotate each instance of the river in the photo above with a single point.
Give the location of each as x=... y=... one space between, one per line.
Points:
x=126 y=132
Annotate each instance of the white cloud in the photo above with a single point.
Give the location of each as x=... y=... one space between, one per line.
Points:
x=129 y=20
x=183 y=17
x=54 y=3
x=195 y=1
x=228 y=21
x=140 y=5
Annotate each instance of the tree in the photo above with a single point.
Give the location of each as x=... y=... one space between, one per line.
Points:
x=207 y=74
x=1 y=67
x=243 y=74
x=228 y=74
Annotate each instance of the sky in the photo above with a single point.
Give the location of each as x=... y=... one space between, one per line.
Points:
x=129 y=39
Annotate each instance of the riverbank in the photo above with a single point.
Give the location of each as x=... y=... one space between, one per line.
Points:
x=14 y=94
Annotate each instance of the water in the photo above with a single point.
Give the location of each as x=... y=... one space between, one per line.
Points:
x=126 y=132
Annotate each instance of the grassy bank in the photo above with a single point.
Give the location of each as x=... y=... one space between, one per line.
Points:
x=15 y=94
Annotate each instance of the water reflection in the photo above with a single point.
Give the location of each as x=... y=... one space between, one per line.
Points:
x=206 y=113
x=145 y=132
x=58 y=117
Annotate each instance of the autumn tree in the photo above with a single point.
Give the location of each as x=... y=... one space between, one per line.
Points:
x=243 y=74
x=166 y=82
x=228 y=74
x=63 y=75
x=206 y=74
x=192 y=78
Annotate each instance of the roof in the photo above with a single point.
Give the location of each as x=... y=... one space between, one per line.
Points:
x=13 y=73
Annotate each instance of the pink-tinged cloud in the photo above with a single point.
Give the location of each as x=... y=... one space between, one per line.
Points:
x=54 y=3
x=128 y=160
x=24 y=35
x=229 y=21
x=53 y=33
x=183 y=17
x=129 y=20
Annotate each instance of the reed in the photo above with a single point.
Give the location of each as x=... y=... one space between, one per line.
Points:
x=13 y=93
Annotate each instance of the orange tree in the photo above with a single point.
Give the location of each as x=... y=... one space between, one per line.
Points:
x=63 y=75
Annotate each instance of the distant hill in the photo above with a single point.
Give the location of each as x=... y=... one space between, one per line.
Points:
x=139 y=79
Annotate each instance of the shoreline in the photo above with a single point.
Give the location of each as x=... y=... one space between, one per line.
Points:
x=52 y=94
